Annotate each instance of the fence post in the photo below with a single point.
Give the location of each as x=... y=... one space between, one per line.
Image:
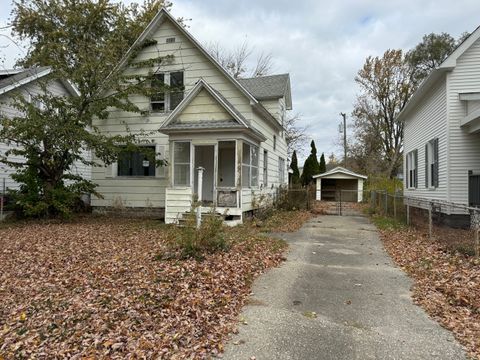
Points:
x=408 y=214
x=395 y=206
x=386 y=202
x=199 y=192
x=308 y=200
x=477 y=243
x=340 y=202
x=430 y=220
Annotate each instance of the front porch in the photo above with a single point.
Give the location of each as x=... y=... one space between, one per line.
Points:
x=229 y=174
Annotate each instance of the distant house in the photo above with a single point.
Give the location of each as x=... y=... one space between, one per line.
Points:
x=339 y=184
x=26 y=82
x=232 y=128
x=442 y=130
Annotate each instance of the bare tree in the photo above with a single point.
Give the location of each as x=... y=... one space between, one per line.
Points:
x=236 y=61
x=295 y=134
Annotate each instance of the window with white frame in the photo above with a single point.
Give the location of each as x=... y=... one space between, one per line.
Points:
x=265 y=168
x=411 y=166
x=431 y=164
x=167 y=100
x=274 y=142
x=181 y=163
x=249 y=165
x=281 y=171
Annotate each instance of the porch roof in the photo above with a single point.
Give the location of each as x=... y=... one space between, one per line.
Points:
x=213 y=127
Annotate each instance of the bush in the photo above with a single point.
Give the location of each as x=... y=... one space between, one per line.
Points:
x=190 y=242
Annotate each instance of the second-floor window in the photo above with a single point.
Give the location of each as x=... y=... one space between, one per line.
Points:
x=170 y=91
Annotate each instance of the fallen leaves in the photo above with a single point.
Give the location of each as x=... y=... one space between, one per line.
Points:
x=97 y=288
x=447 y=283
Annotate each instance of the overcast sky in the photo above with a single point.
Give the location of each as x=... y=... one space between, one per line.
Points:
x=322 y=44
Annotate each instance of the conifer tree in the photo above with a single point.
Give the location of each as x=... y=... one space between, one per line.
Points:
x=323 y=166
x=294 y=167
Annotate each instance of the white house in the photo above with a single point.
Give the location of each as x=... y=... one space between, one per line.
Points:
x=442 y=130
x=339 y=184
x=26 y=83
x=232 y=128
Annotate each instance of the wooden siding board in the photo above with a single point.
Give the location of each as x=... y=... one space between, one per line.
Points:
x=426 y=122
x=195 y=66
x=464 y=147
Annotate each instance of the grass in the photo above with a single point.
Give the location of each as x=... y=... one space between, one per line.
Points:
x=385 y=223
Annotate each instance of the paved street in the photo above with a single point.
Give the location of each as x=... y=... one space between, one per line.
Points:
x=338 y=296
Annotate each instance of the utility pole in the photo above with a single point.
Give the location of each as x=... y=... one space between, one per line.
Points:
x=344 y=138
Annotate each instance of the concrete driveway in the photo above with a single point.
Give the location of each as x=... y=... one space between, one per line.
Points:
x=338 y=296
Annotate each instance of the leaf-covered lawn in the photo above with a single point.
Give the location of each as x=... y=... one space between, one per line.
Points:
x=447 y=284
x=98 y=288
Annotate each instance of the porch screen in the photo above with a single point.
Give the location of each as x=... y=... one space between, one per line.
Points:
x=249 y=165
x=181 y=163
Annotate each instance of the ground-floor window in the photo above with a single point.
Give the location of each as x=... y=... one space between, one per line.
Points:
x=137 y=163
x=181 y=163
x=249 y=165
x=412 y=163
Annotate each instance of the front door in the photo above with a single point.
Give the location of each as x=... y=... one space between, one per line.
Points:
x=205 y=157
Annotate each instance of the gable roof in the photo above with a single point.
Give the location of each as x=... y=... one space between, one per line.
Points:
x=269 y=87
x=435 y=75
x=163 y=15
x=238 y=121
x=202 y=84
x=13 y=79
x=340 y=170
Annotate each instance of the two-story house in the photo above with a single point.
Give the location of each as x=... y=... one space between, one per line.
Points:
x=232 y=128
x=442 y=130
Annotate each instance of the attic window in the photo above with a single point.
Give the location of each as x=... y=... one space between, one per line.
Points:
x=170 y=40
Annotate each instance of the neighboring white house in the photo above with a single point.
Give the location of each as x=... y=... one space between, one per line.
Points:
x=339 y=184
x=442 y=130
x=232 y=128
x=26 y=82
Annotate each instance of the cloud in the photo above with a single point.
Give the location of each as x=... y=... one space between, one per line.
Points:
x=322 y=44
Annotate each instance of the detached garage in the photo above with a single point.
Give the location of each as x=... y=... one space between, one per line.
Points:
x=339 y=184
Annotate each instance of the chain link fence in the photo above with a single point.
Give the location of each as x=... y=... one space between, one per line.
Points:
x=454 y=225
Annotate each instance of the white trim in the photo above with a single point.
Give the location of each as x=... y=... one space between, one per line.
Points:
x=25 y=81
x=201 y=84
x=470 y=96
x=153 y=25
x=342 y=170
x=447 y=65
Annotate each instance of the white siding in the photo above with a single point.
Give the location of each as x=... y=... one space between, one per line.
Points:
x=425 y=122
x=464 y=148
x=195 y=65
x=7 y=109
x=178 y=201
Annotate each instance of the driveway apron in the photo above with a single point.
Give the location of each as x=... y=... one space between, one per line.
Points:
x=338 y=296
